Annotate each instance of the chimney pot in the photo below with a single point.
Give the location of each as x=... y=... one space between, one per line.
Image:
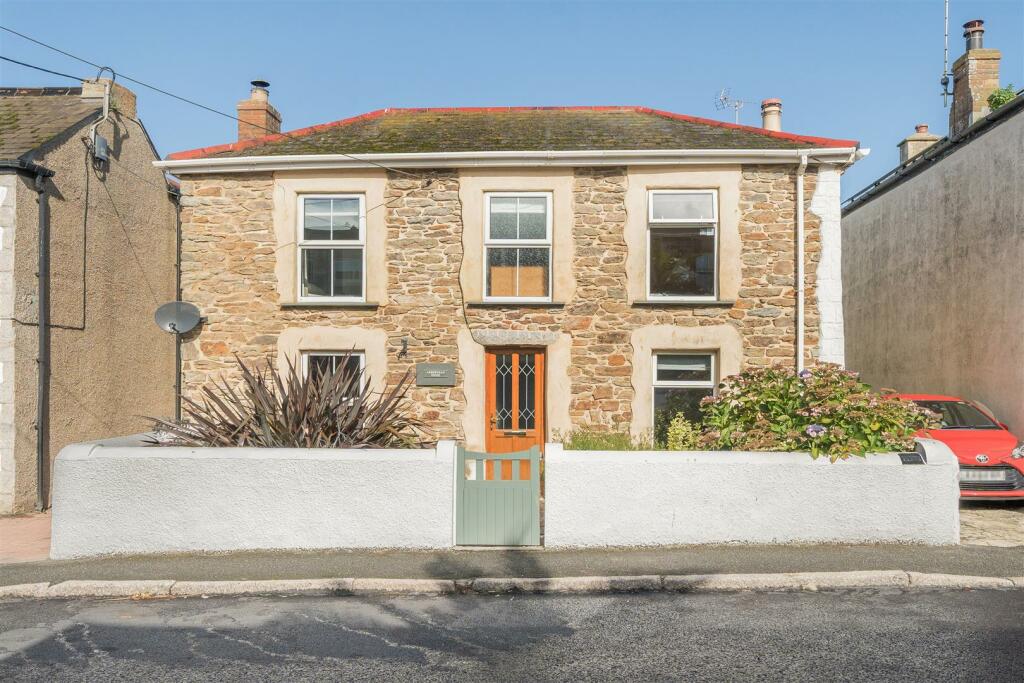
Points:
x=921 y=128
x=256 y=116
x=771 y=114
x=974 y=31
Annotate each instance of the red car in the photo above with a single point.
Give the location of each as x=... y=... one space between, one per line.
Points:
x=991 y=457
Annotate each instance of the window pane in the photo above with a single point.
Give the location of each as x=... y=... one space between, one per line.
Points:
x=670 y=402
x=533 y=218
x=317 y=206
x=317 y=227
x=346 y=227
x=320 y=365
x=679 y=367
x=316 y=272
x=348 y=272
x=346 y=205
x=503 y=218
x=682 y=262
x=534 y=265
x=503 y=391
x=682 y=206
x=527 y=391
x=501 y=272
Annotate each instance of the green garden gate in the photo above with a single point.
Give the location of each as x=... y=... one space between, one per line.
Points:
x=497 y=498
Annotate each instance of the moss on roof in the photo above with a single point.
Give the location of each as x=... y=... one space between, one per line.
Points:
x=512 y=129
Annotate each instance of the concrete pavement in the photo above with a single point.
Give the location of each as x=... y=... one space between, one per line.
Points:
x=467 y=564
x=867 y=635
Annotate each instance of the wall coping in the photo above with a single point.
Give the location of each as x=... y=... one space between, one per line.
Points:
x=938 y=454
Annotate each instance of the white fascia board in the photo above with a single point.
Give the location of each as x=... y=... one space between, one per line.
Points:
x=298 y=162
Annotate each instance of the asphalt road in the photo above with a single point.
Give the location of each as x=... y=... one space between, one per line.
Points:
x=847 y=635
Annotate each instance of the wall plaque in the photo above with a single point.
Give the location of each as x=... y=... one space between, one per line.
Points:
x=435 y=374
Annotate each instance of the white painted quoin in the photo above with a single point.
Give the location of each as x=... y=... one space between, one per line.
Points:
x=650 y=498
x=124 y=497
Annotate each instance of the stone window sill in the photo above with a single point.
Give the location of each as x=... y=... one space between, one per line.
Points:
x=515 y=304
x=354 y=305
x=655 y=303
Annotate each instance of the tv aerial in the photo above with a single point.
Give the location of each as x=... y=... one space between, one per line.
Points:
x=726 y=101
x=944 y=81
x=177 y=317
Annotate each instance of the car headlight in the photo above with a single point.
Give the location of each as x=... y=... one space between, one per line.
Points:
x=1018 y=452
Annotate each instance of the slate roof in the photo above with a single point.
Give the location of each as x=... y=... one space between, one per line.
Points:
x=30 y=117
x=514 y=129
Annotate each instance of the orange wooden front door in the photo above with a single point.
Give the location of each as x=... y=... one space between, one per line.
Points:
x=515 y=400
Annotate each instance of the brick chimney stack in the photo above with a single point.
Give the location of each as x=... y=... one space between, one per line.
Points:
x=257 y=117
x=975 y=76
x=914 y=144
x=771 y=114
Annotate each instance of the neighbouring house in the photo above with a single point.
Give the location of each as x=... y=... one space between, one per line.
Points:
x=933 y=253
x=87 y=253
x=538 y=269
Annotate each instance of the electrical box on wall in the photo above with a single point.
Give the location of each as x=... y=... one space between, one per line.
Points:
x=435 y=374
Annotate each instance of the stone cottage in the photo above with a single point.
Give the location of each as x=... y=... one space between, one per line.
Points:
x=87 y=253
x=540 y=269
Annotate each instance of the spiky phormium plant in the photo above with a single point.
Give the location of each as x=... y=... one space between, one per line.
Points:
x=293 y=409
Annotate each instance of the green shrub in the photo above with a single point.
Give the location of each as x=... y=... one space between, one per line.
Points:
x=683 y=435
x=596 y=439
x=825 y=410
x=1001 y=96
x=293 y=409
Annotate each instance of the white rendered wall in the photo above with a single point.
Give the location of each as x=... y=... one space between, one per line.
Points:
x=623 y=498
x=8 y=191
x=829 y=281
x=110 y=498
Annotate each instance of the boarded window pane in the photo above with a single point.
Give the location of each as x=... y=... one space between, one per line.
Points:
x=679 y=367
x=683 y=206
x=501 y=272
x=682 y=262
x=316 y=272
x=348 y=272
x=534 y=266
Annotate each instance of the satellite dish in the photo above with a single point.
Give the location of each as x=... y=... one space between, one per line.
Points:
x=177 y=317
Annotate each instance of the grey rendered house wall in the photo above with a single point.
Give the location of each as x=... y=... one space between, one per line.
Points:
x=933 y=274
x=112 y=262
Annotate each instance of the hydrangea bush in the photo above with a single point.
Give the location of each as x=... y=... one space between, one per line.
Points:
x=825 y=410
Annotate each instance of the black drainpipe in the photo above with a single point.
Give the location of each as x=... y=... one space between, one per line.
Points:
x=176 y=195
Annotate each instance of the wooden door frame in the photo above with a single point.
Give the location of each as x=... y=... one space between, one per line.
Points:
x=540 y=387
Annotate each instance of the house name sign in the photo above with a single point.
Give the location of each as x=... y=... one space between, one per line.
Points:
x=435 y=374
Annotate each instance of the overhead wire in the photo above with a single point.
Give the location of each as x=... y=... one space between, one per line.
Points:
x=198 y=104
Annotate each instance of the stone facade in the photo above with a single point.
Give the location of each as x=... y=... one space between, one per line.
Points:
x=228 y=269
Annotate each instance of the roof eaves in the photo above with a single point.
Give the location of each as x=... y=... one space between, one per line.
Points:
x=932 y=155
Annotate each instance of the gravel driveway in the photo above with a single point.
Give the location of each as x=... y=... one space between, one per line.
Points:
x=996 y=524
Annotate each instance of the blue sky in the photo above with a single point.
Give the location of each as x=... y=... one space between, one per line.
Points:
x=864 y=70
